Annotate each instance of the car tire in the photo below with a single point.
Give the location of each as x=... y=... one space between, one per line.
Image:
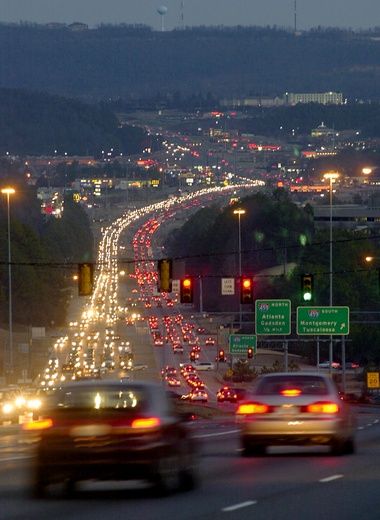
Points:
x=40 y=484
x=252 y=449
x=70 y=487
x=190 y=473
x=350 y=446
x=167 y=477
x=343 y=447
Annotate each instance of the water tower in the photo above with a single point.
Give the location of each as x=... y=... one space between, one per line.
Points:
x=162 y=10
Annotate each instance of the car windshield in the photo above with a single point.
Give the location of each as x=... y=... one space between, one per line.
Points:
x=100 y=397
x=308 y=385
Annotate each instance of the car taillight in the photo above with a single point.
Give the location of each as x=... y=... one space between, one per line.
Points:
x=41 y=424
x=252 y=408
x=146 y=422
x=323 y=407
x=291 y=392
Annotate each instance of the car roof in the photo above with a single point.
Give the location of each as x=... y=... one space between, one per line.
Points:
x=296 y=374
x=111 y=384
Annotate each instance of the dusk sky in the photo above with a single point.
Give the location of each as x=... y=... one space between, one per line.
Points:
x=311 y=13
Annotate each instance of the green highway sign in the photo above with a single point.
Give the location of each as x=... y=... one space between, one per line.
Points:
x=273 y=317
x=240 y=343
x=323 y=321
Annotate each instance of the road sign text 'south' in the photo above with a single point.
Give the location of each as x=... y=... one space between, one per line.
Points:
x=272 y=317
x=322 y=321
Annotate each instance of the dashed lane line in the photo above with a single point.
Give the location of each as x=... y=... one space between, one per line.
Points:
x=239 y=506
x=331 y=478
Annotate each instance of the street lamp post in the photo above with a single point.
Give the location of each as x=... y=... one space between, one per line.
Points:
x=331 y=176
x=239 y=212
x=9 y=191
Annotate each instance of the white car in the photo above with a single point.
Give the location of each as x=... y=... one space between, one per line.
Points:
x=204 y=365
x=326 y=364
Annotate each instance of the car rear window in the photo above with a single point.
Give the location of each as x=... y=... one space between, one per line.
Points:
x=101 y=397
x=309 y=385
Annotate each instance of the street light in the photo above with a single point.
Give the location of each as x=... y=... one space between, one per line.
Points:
x=9 y=191
x=239 y=212
x=331 y=176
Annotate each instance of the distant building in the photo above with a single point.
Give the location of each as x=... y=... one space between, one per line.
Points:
x=259 y=101
x=349 y=216
x=78 y=26
x=289 y=98
x=55 y=25
x=322 y=131
x=323 y=98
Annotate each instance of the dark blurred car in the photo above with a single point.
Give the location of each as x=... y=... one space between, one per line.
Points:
x=226 y=394
x=295 y=409
x=113 y=431
x=241 y=393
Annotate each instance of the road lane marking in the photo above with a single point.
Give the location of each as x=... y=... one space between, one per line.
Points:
x=332 y=477
x=205 y=435
x=12 y=459
x=360 y=427
x=239 y=506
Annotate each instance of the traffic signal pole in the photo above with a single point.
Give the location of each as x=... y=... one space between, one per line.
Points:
x=200 y=294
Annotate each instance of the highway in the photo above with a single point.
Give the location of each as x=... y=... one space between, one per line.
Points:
x=286 y=484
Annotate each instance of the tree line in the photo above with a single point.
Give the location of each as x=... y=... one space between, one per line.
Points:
x=45 y=251
x=276 y=232
x=123 y=61
x=37 y=123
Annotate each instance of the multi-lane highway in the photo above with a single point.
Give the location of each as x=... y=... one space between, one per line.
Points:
x=285 y=484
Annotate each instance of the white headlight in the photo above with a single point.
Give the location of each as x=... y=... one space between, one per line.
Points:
x=8 y=408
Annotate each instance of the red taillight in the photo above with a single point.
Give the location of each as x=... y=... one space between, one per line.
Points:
x=291 y=392
x=41 y=424
x=252 y=408
x=146 y=422
x=323 y=407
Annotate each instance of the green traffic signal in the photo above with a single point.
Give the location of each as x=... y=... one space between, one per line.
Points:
x=307 y=283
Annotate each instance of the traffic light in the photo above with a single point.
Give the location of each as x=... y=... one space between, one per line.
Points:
x=250 y=353
x=221 y=356
x=246 y=290
x=307 y=282
x=165 y=269
x=85 y=279
x=186 y=290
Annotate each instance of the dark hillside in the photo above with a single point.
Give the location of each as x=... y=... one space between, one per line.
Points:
x=125 y=61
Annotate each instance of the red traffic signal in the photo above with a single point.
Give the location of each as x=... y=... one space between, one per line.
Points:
x=246 y=290
x=250 y=353
x=186 y=290
x=221 y=356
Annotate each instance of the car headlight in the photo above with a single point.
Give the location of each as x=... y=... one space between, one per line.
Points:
x=34 y=404
x=8 y=408
x=20 y=401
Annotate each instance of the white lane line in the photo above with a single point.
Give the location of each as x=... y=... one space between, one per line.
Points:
x=239 y=506
x=332 y=477
x=360 y=428
x=375 y=421
x=215 y=434
x=11 y=459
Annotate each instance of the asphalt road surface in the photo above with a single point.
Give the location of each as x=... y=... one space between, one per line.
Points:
x=286 y=484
